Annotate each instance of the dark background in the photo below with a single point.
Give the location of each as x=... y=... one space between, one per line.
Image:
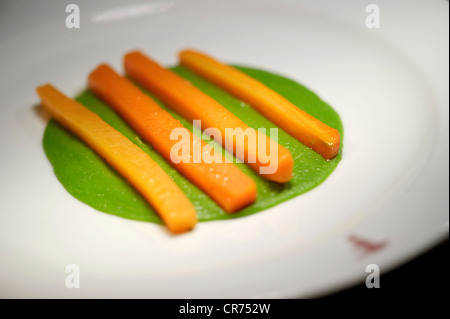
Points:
x=424 y=277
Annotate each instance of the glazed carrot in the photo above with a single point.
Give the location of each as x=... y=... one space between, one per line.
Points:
x=315 y=134
x=229 y=187
x=256 y=149
x=128 y=159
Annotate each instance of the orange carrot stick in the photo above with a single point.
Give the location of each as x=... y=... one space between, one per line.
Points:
x=256 y=149
x=315 y=134
x=128 y=159
x=222 y=181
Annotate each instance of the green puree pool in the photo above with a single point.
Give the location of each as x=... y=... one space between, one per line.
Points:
x=88 y=178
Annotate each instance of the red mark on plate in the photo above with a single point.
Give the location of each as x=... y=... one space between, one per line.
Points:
x=366 y=244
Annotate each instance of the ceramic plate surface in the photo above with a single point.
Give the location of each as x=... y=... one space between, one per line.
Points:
x=386 y=202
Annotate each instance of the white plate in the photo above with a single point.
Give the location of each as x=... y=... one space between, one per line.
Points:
x=389 y=84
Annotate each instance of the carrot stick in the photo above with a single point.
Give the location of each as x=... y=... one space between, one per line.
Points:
x=315 y=134
x=229 y=187
x=128 y=159
x=256 y=149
